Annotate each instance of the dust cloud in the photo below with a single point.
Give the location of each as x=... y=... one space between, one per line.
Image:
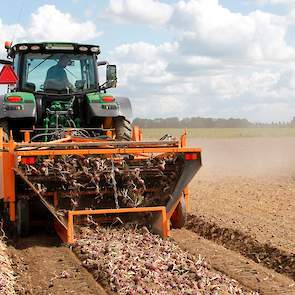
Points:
x=250 y=157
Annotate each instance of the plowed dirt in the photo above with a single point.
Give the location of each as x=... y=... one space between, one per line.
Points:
x=244 y=198
x=250 y=274
x=44 y=266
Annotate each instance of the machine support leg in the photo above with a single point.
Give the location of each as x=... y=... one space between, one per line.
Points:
x=186 y=196
x=12 y=211
x=55 y=199
x=70 y=234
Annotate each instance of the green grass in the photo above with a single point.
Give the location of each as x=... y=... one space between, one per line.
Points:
x=156 y=133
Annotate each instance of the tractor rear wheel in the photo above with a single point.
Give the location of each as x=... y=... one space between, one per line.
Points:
x=179 y=216
x=22 y=218
x=123 y=129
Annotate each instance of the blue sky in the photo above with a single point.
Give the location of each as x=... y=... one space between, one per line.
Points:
x=229 y=58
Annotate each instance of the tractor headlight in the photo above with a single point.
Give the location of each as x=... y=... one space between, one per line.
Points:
x=83 y=48
x=35 y=47
x=94 y=49
x=23 y=47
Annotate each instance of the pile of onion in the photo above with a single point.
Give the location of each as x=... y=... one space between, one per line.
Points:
x=7 y=278
x=131 y=260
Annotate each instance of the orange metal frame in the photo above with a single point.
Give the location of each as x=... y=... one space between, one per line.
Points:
x=161 y=226
x=10 y=156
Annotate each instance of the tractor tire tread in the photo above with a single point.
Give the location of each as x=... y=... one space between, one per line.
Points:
x=123 y=129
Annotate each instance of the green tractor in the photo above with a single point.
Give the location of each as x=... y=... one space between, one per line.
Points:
x=58 y=88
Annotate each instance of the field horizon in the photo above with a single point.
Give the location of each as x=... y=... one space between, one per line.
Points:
x=157 y=133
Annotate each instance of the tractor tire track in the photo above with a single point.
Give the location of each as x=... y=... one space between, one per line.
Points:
x=248 y=273
x=266 y=254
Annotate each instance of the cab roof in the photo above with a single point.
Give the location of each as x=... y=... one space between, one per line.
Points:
x=53 y=47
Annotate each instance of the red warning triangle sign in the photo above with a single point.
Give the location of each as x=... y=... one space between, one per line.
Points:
x=7 y=75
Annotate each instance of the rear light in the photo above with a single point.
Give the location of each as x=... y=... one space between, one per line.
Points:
x=28 y=160
x=14 y=99
x=108 y=99
x=191 y=156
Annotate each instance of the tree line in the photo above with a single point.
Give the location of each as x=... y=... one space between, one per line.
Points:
x=198 y=122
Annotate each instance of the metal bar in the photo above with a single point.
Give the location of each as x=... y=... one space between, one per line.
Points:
x=1 y=139
x=186 y=197
x=55 y=199
x=86 y=139
x=120 y=210
x=65 y=139
x=43 y=200
x=123 y=151
x=27 y=137
x=9 y=179
x=70 y=233
x=162 y=223
x=68 y=129
x=189 y=170
x=59 y=143
x=61 y=230
x=183 y=139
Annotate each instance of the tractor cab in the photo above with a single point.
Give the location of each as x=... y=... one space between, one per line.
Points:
x=55 y=68
x=57 y=87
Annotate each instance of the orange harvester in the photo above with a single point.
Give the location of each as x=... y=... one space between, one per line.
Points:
x=170 y=211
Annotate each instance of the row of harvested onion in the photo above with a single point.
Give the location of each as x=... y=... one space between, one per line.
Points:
x=131 y=260
x=7 y=277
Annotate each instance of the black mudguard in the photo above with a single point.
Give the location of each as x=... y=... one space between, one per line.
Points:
x=120 y=108
x=8 y=111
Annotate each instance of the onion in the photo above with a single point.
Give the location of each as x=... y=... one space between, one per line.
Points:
x=7 y=277
x=131 y=260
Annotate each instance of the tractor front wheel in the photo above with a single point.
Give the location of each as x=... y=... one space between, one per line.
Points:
x=123 y=129
x=22 y=218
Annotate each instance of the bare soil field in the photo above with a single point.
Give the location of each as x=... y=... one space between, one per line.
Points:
x=247 y=272
x=243 y=198
x=241 y=220
x=214 y=133
x=42 y=265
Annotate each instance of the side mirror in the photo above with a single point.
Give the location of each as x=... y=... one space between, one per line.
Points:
x=111 y=79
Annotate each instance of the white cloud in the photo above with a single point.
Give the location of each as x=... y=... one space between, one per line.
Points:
x=161 y=83
x=284 y=2
x=220 y=64
x=144 y=11
x=48 y=23
x=207 y=28
x=9 y=32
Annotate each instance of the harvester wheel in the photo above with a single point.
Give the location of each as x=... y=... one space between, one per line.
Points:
x=123 y=129
x=179 y=216
x=23 y=218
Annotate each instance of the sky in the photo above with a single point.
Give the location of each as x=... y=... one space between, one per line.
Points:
x=178 y=58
